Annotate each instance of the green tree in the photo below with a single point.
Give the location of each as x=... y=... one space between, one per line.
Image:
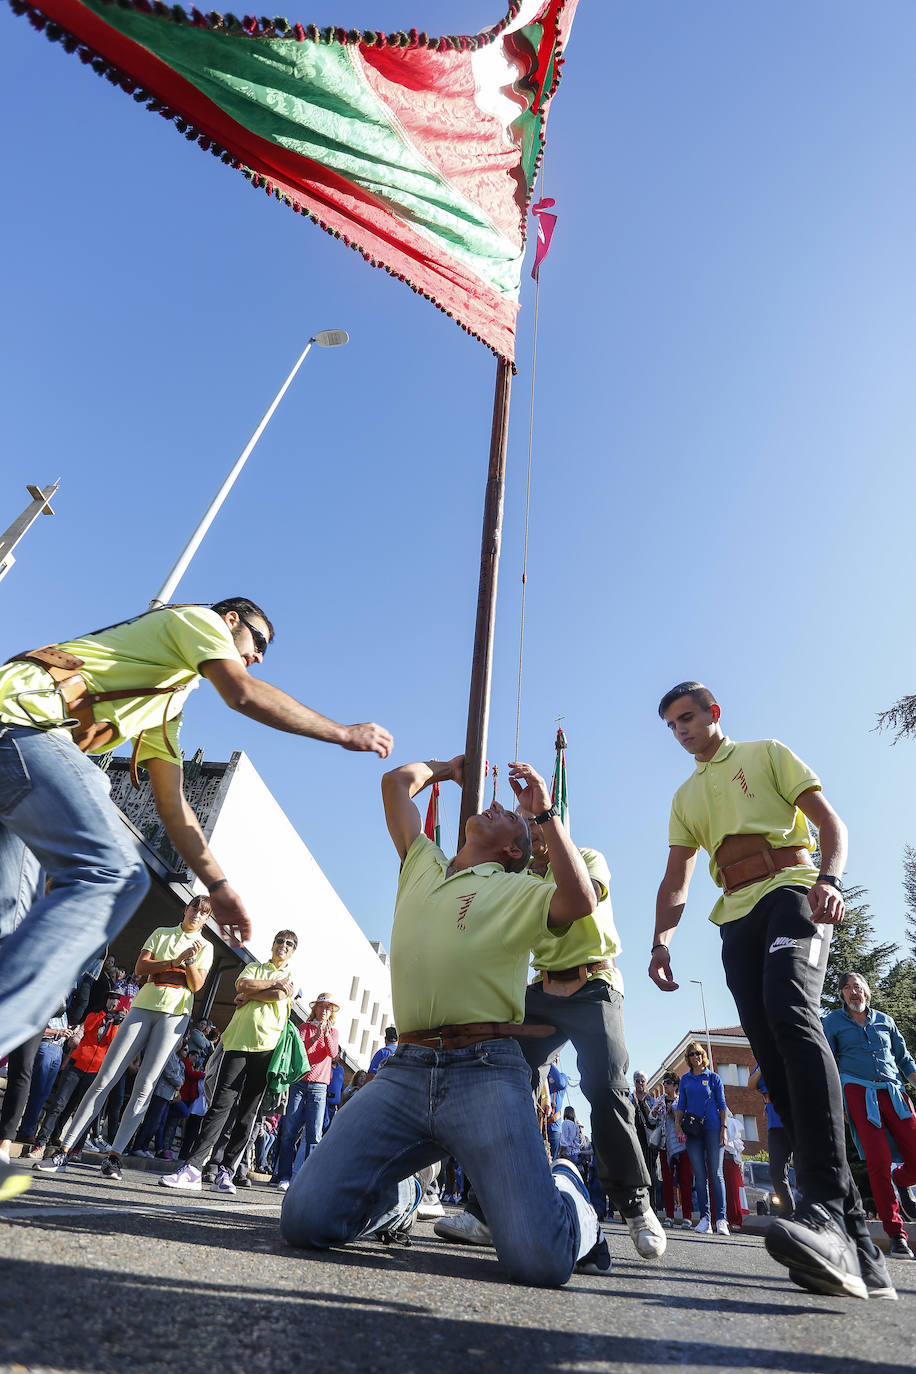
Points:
x=896 y=995
x=901 y=718
x=909 y=894
x=853 y=948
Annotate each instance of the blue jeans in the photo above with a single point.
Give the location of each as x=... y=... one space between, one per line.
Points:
x=44 y=1072
x=705 y=1149
x=54 y=802
x=305 y=1113
x=474 y=1104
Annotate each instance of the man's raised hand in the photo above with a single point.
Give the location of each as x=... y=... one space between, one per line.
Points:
x=368 y=738
x=530 y=788
x=230 y=915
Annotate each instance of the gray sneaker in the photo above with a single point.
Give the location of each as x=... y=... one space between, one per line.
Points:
x=57 y=1159
x=816 y=1245
x=465 y=1229
x=874 y=1272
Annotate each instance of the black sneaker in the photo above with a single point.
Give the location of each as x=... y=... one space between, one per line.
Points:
x=597 y=1261
x=57 y=1159
x=112 y=1168
x=906 y=1200
x=208 y=1174
x=873 y=1269
x=242 y=1181
x=816 y=1245
x=900 y=1249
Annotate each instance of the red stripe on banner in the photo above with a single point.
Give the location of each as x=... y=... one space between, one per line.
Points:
x=338 y=205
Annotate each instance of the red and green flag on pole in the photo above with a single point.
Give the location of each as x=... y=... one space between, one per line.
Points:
x=420 y=153
x=432 y=829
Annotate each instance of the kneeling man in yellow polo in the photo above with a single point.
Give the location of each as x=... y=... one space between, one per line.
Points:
x=458 y=1083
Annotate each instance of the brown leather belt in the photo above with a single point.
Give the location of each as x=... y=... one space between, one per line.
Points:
x=745 y=859
x=87 y=732
x=568 y=975
x=170 y=978
x=459 y=1037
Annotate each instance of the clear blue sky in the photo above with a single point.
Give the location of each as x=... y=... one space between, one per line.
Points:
x=723 y=480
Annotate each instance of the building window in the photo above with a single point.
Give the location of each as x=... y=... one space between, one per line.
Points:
x=376 y=1046
x=729 y=1074
x=354 y=1026
x=364 y=1042
x=364 y=1007
x=744 y=1074
x=750 y=1128
x=354 y=987
x=374 y=1017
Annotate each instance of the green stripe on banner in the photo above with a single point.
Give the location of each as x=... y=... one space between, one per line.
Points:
x=313 y=100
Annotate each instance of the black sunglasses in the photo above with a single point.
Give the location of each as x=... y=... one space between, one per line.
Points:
x=260 y=641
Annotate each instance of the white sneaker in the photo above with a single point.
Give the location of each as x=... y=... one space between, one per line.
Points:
x=722 y=1228
x=283 y=1185
x=185 y=1177
x=647 y=1234
x=430 y=1210
x=465 y=1229
x=703 y=1226
x=224 y=1182
x=686 y=1225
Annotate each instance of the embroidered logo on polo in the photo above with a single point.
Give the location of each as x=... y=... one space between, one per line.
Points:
x=741 y=780
x=463 y=904
x=783 y=942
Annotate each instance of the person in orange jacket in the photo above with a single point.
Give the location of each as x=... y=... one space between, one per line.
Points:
x=99 y=1029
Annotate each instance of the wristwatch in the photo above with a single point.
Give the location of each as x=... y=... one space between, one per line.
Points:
x=550 y=815
x=831 y=879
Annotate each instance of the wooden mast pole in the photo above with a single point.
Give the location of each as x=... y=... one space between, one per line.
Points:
x=475 y=748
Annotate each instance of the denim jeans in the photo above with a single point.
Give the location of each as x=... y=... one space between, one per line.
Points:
x=305 y=1113
x=705 y=1149
x=54 y=802
x=474 y=1104
x=44 y=1071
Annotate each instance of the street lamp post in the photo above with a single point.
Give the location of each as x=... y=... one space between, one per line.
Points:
x=705 y=1020
x=326 y=338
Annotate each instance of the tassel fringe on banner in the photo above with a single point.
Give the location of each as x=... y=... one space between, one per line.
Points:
x=279 y=27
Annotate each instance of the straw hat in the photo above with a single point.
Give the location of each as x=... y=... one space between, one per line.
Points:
x=326 y=998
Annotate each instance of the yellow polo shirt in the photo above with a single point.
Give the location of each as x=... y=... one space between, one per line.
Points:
x=161 y=649
x=460 y=945
x=591 y=938
x=166 y=942
x=746 y=789
x=257 y=1025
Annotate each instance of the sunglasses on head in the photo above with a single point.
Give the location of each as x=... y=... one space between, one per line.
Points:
x=260 y=641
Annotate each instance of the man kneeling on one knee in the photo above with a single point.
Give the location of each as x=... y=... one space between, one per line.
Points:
x=458 y=1083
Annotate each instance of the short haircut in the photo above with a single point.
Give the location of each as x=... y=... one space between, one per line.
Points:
x=695 y=1045
x=695 y=690
x=523 y=841
x=391 y=1033
x=244 y=609
x=287 y=934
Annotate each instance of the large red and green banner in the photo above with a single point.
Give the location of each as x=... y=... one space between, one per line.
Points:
x=418 y=152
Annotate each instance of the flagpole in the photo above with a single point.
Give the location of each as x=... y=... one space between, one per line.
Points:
x=475 y=748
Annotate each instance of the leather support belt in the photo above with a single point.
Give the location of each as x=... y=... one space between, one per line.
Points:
x=569 y=975
x=746 y=859
x=459 y=1037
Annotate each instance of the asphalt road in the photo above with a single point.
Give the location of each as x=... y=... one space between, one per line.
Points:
x=130 y=1279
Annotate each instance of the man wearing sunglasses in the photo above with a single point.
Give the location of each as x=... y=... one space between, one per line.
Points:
x=128 y=681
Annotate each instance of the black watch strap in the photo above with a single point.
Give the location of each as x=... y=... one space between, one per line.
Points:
x=831 y=879
x=550 y=815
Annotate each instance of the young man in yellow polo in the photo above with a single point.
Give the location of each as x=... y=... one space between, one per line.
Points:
x=126 y=682
x=748 y=805
x=458 y=1083
x=262 y=995
x=578 y=989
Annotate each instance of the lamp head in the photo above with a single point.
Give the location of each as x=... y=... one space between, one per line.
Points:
x=331 y=338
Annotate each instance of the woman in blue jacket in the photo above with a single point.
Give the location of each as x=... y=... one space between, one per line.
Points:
x=701 y=1095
